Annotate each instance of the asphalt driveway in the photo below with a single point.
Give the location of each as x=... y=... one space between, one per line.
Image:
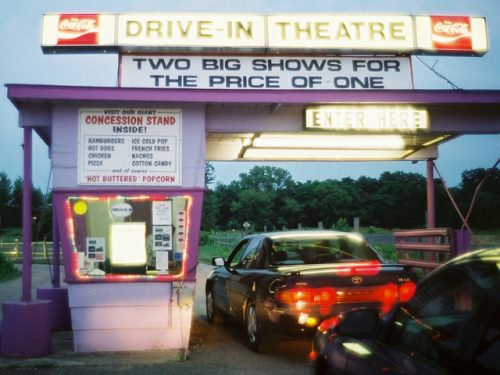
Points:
x=213 y=349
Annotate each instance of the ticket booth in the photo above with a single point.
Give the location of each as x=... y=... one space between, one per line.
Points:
x=128 y=194
x=131 y=259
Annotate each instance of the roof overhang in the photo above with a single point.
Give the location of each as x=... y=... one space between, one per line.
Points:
x=451 y=112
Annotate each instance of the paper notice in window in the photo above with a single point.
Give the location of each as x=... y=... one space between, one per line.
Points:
x=162 y=213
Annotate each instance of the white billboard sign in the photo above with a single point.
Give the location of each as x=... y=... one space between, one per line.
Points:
x=315 y=33
x=266 y=72
x=129 y=146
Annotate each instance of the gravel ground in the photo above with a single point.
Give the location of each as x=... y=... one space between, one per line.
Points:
x=213 y=349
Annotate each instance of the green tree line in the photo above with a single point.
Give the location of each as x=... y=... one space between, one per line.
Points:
x=268 y=198
x=11 y=201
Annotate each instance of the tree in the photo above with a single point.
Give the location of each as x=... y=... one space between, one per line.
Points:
x=5 y=198
x=209 y=173
x=253 y=206
x=266 y=179
x=16 y=203
x=225 y=195
x=403 y=200
x=210 y=211
x=485 y=201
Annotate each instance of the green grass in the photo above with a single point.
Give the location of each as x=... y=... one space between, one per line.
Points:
x=209 y=251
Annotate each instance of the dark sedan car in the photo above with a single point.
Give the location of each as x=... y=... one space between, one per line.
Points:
x=288 y=282
x=450 y=326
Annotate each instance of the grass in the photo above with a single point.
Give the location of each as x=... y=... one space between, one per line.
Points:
x=209 y=251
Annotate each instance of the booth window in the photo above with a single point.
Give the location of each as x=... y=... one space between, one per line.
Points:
x=115 y=236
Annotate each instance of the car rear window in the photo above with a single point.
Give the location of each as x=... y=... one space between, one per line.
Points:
x=307 y=250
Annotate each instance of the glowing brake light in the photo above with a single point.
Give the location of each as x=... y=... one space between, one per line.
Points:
x=406 y=291
x=386 y=295
x=367 y=268
x=320 y=296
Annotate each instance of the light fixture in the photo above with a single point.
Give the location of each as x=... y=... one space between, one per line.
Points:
x=435 y=140
x=321 y=154
x=327 y=141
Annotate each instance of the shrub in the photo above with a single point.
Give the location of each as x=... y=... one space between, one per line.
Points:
x=387 y=251
x=7 y=269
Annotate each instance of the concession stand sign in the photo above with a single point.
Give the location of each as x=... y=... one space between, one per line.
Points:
x=128 y=146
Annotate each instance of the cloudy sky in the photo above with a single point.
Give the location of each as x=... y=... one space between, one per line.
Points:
x=22 y=61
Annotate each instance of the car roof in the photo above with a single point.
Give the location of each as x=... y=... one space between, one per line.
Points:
x=484 y=255
x=306 y=233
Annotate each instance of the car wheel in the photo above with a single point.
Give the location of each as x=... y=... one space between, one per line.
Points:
x=253 y=332
x=213 y=314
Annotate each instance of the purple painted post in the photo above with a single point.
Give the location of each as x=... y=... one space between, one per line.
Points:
x=27 y=214
x=461 y=242
x=56 y=251
x=431 y=210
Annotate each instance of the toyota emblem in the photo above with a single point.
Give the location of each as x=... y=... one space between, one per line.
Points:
x=356 y=280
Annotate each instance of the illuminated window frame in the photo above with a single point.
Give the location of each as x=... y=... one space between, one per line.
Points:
x=70 y=225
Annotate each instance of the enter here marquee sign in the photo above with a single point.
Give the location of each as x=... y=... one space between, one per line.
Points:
x=314 y=33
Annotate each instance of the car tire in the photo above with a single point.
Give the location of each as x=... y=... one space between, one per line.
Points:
x=252 y=326
x=213 y=314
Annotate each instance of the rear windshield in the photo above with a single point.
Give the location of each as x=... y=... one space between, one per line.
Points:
x=306 y=250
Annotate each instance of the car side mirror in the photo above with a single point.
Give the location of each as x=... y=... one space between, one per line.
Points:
x=218 y=261
x=362 y=322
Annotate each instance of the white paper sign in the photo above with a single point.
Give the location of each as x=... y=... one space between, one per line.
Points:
x=162 y=212
x=128 y=244
x=162 y=261
x=129 y=146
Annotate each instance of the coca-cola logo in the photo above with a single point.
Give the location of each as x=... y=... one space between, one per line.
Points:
x=78 y=25
x=451 y=33
x=78 y=29
x=451 y=28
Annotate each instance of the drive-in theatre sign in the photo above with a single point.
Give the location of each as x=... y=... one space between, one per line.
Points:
x=239 y=32
x=265 y=37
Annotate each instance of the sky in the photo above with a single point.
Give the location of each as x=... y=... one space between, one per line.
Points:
x=22 y=61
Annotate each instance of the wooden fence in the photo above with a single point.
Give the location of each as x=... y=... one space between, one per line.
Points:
x=41 y=251
x=424 y=248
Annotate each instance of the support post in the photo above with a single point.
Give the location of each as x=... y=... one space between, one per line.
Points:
x=56 y=251
x=431 y=202
x=27 y=214
x=25 y=328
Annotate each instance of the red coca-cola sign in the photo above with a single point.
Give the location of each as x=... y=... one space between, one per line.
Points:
x=451 y=33
x=78 y=29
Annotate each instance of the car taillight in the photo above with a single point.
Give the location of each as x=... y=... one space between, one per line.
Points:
x=406 y=291
x=297 y=296
x=329 y=323
x=387 y=295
